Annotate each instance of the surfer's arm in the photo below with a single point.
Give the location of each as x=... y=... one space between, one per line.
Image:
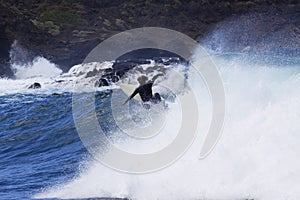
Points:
x=131 y=96
x=156 y=77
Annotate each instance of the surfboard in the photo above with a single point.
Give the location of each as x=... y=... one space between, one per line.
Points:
x=128 y=89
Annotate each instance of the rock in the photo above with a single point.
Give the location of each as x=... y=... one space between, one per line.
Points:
x=126 y=62
x=5 y=70
x=115 y=79
x=35 y=86
x=46 y=29
x=59 y=81
x=102 y=82
x=56 y=94
x=120 y=73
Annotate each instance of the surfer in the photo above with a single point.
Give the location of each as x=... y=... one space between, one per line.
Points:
x=145 y=90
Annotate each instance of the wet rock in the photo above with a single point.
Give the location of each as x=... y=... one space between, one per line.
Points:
x=35 y=86
x=56 y=94
x=120 y=73
x=102 y=82
x=115 y=79
x=59 y=81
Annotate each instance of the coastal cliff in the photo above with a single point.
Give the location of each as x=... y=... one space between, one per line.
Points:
x=65 y=31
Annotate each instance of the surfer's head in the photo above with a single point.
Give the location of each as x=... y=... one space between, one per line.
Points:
x=142 y=79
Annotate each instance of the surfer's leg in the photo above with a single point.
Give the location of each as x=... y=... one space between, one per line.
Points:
x=156 y=98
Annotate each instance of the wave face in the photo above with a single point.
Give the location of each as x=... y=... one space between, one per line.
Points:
x=38 y=143
x=257 y=153
x=43 y=157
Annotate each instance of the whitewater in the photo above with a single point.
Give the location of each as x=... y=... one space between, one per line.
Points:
x=256 y=157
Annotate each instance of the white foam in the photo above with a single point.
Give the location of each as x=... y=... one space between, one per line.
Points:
x=51 y=78
x=40 y=67
x=83 y=69
x=256 y=157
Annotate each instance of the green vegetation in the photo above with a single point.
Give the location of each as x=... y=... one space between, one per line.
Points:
x=177 y=3
x=62 y=17
x=54 y=32
x=82 y=33
x=107 y=22
x=48 y=26
x=120 y=23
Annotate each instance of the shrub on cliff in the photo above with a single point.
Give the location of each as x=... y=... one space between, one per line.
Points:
x=61 y=17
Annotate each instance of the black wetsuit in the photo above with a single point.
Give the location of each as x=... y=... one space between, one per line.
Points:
x=145 y=91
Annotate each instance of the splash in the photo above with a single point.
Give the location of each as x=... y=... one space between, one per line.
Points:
x=40 y=67
x=257 y=153
x=25 y=66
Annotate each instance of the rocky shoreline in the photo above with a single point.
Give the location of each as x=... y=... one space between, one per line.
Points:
x=65 y=31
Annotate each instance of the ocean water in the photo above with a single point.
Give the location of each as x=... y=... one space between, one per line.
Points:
x=257 y=156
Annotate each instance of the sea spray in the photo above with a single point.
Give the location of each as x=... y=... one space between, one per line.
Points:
x=40 y=67
x=255 y=158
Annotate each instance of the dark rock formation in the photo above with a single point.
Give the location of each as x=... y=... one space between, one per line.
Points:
x=132 y=59
x=115 y=79
x=35 y=86
x=102 y=82
x=65 y=31
x=4 y=54
x=56 y=94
